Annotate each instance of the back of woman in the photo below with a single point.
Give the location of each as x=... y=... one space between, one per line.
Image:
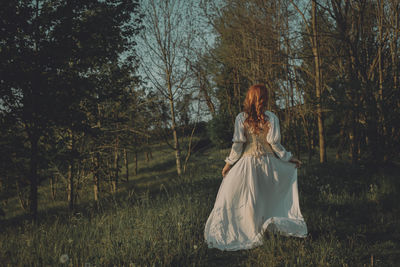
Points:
x=259 y=190
x=256 y=144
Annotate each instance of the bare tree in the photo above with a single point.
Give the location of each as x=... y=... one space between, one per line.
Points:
x=314 y=41
x=164 y=51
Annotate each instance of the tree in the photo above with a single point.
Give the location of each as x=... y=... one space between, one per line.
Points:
x=165 y=42
x=53 y=54
x=314 y=37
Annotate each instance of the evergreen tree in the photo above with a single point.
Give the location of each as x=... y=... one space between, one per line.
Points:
x=56 y=57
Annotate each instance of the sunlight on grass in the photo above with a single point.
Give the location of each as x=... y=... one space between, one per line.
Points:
x=158 y=219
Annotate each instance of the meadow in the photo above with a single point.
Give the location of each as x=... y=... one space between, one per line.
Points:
x=157 y=219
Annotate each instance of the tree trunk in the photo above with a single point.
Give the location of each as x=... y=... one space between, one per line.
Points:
x=354 y=140
x=393 y=128
x=380 y=144
x=126 y=162
x=71 y=172
x=96 y=177
x=149 y=148
x=394 y=21
x=116 y=167
x=96 y=173
x=308 y=140
x=174 y=131
x=136 y=162
x=296 y=141
x=96 y=186
x=110 y=173
x=53 y=182
x=318 y=85
x=147 y=153
x=21 y=197
x=313 y=137
x=342 y=139
x=355 y=99
x=202 y=79
x=189 y=151
x=33 y=202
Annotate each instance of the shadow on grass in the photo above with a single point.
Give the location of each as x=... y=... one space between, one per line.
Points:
x=167 y=164
x=356 y=203
x=150 y=186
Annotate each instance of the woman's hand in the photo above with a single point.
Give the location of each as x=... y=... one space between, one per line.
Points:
x=226 y=169
x=296 y=161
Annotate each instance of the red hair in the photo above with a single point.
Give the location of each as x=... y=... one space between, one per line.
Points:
x=255 y=105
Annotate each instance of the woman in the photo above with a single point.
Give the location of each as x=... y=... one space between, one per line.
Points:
x=259 y=188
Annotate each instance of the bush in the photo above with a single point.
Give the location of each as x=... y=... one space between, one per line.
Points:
x=220 y=130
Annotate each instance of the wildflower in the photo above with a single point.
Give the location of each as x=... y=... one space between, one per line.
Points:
x=195 y=247
x=64 y=258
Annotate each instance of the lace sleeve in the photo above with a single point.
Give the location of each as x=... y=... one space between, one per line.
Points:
x=239 y=138
x=274 y=137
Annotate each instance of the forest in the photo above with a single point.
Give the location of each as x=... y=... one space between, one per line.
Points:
x=116 y=117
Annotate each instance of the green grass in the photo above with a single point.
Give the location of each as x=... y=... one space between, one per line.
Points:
x=156 y=219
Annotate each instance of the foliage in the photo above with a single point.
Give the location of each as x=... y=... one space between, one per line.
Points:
x=220 y=130
x=57 y=67
x=279 y=44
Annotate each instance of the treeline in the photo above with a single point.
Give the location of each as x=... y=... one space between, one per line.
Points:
x=332 y=68
x=68 y=94
x=74 y=110
x=87 y=85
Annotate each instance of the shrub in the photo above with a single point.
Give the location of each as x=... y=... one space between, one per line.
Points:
x=220 y=130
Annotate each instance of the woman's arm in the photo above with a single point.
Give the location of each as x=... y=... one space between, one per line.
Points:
x=239 y=139
x=296 y=161
x=235 y=154
x=274 y=138
x=226 y=169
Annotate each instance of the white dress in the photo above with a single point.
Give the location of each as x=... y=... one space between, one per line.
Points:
x=259 y=192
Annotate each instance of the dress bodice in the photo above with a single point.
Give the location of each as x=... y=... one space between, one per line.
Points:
x=256 y=144
x=266 y=141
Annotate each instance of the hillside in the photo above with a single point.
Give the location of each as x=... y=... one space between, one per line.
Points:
x=157 y=219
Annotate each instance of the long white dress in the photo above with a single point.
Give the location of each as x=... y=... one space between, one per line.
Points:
x=259 y=192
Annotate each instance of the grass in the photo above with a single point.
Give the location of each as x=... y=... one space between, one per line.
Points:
x=156 y=219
